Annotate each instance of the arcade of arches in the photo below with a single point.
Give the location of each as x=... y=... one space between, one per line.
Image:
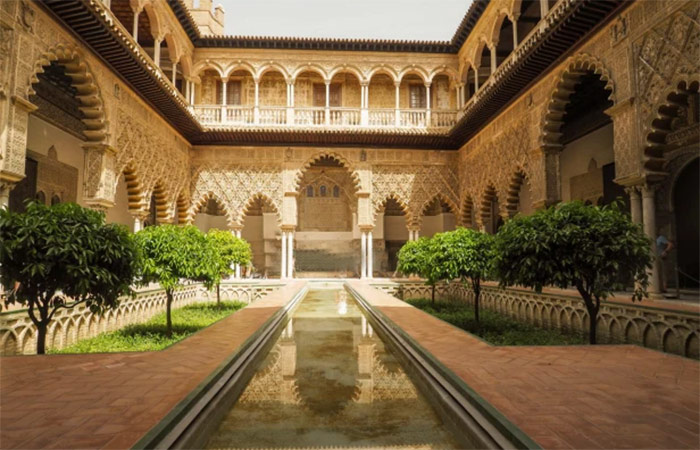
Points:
x=615 y=118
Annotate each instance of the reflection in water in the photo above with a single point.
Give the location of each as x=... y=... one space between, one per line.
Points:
x=328 y=381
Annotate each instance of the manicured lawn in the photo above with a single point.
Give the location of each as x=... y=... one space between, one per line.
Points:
x=151 y=335
x=495 y=328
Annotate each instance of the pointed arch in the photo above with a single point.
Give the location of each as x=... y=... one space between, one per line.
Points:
x=467 y=214
x=83 y=80
x=518 y=181
x=252 y=200
x=443 y=199
x=674 y=99
x=332 y=155
x=181 y=207
x=160 y=197
x=576 y=67
x=395 y=197
x=134 y=187
x=203 y=200
x=488 y=198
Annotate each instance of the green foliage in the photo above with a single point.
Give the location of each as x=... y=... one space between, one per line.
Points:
x=171 y=253
x=228 y=250
x=494 y=328
x=466 y=255
x=152 y=335
x=572 y=244
x=417 y=257
x=61 y=256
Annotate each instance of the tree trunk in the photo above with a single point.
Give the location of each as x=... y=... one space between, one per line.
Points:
x=592 y=324
x=218 y=295
x=168 y=319
x=41 y=338
x=477 y=294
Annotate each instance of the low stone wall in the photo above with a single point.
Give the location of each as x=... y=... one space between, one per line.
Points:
x=18 y=334
x=672 y=330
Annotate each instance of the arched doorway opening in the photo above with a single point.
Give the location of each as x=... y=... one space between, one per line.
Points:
x=383 y=99
x=437 y=216
x=491 y=211
x=261 y=230
x=345 y=99
x=587 y=161
x=56 y=133
x=519 y=195
x=327 y=237
x=393 y=234
x=686 y=209
x=530 y=15
x=506 y=43
x=272 y=94
x=211 y=214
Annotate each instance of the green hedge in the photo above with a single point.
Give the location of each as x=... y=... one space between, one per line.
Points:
x=495 y=328
x=152 y=335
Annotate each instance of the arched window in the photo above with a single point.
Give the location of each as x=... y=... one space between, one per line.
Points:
x=336 y=191
x=309 y=191
x=322 y=191
x=55 y=200
x=41 y=197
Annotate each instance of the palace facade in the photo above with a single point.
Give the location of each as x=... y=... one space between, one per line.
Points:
x=327 y=155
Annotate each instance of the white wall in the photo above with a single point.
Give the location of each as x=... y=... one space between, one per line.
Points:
x=575 y=157
x=395 y=228
x=119 y=213
x=42 y=135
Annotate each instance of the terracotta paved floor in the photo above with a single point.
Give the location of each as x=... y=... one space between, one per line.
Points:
x=111 y=400
x=620 y=396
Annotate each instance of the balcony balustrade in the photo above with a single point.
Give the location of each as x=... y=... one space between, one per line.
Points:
x=334 y=117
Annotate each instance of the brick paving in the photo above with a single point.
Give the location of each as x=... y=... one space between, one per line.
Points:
x=112 y=400
x=611 y=396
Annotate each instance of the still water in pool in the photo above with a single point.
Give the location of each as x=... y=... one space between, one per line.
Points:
x=329 y=381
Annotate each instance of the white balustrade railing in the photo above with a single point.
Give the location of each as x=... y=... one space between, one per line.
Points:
x=239 y=115
x=413 y=118
x=318 y=116
x=382 y=117
x=209 y=114
x=443 y=119
x=273 y=115
x=309 y=116
x=345 y=116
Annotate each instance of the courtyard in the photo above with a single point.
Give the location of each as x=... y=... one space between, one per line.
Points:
x=263 y=224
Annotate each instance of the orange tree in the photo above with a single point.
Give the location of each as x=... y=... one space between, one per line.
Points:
x=228 y=250
x=54 y=257
x=174 y=253
x=595 y=249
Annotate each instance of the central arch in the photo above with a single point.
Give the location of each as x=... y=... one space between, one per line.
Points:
x=327 y=236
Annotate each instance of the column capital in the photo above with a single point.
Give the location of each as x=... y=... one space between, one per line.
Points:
x=427 y=84
x=397 y=83
x=327 y=82
x=633 y=190
x=620 y=106
x=364 y=83
x=648 y=190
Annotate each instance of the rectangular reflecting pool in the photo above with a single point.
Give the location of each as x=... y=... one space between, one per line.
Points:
x=329 y=381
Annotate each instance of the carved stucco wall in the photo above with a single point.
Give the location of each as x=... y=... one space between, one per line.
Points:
x=235 y=176
x=120 y=120
x=641 y=55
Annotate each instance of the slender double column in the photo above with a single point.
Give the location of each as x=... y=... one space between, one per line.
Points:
x=237 y=233
x=412 y=235
x=287 y=261
x=649 y=220
x=367 y=249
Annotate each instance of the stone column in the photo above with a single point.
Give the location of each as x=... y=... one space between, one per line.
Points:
x=494 y=58
x=5 y=189
x=364 y=113
x=174 y=73
x=156 y=51
x=135 y=31
x=363 y=266
x=224 y=94
x=138 y=221
x=427 y=104
x=635 y=204
x=283 y=265
x=187 y=90
x=398 y=103
x=290 y=103
x=370 y=255
x=649 y=218
x=290 y=254
x=256 y=108
x=476 y=80
x=544 y=8
x=328 y=102
x=514 y=21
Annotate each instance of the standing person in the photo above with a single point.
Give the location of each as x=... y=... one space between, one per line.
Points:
x=663 y=247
